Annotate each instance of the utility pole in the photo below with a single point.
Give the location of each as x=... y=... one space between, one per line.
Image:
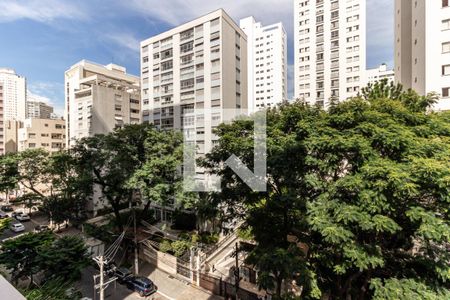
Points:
x=236 y=271
x=136 y=258
x=102 y=285
x=102 y=293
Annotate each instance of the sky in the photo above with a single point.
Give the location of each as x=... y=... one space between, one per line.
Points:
x=41 y=39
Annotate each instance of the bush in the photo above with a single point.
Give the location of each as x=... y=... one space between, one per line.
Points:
x=180 y=247
x=165 y=246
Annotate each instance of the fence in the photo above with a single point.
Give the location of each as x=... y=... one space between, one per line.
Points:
x=225 y=288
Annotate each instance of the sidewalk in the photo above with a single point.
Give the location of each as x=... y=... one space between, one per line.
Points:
x=173 y=288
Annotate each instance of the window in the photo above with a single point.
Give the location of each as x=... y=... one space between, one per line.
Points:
x=446 y=24
x=446 y=47
x=446 y=92
x=444 y=3
x=167 y=65
x=166 y=54
x=187 y=47
x=446 y=70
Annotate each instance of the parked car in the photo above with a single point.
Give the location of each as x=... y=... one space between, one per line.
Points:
x=3 y=215
x=14 y=214
x=122 y=274
x=17 y=227
x=142 y=285
x=23 y=217
x=41 y=228
x=7 y=208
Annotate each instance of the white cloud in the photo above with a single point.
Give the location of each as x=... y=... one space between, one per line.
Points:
x=176 y=12
x=51 y=93
x=39 y=10
x=38 y=98
x=123 y=39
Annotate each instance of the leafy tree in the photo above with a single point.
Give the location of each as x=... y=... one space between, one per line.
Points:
x=29 y=200
x=158 y=178
x=20 y=255
x=56 y=289
x=4 y=223
x=33 y=168
x=8 y=173
x=131 y=160
x=361 y=190
x=64 y=258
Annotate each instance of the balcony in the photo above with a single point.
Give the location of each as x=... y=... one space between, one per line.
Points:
x=215 y=55
x=166 y=92
x=166 y=46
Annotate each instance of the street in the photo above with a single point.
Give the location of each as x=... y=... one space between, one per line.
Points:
x=169 y=288
x=36 y=219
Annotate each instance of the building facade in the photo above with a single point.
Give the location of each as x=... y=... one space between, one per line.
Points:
x=379 y=73
x=330 y=49
x=198 y=66
x=191 y=76
x=11 y=141
x=38 y=110
x=14 y=94
x=37 y=107
x=48 y=134
x=99 y=99
x=422 y=47
x=2 y=122
x=267 y=64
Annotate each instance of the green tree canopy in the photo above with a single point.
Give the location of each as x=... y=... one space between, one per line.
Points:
x=361 y=189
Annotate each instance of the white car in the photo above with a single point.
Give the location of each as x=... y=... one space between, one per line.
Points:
x=23 y=217
x=17 y=227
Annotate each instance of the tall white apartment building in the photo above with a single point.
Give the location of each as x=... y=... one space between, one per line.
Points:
x=14 y=94
x=267 y=63
x=381 y=72
x=330 y=49
x=200 y=65
x=98 y=99
x=422 y=47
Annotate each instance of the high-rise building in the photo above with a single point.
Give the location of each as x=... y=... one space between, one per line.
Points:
x=192 y=76
x=48 y=134
x=381 y=72
x=38 y=109
x=98 y=99
x=200 y=65
x=2 y=122
x=330 y=49
x=267 y=63
x=422 y=47
x=14 y=94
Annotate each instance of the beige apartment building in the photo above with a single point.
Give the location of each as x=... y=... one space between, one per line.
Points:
x=48 y=134
x=11 y=142
x=99 y=99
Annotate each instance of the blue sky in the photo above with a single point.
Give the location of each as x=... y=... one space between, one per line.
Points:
x=41 y=39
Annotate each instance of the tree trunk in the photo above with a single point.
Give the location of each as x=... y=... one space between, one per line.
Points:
x=279 y=282
x=116 y=210
x=146 y=208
